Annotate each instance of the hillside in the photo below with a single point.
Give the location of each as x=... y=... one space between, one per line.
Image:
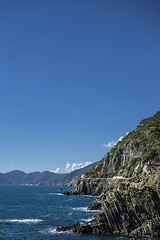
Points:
x=127 y=181
x=135 y=159
x=34 y=178
x=139 y=147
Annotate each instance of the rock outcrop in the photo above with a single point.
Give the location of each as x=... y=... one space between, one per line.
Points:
x=127 y=181
x=132 y=211
x=97 y=186
x=136 y=158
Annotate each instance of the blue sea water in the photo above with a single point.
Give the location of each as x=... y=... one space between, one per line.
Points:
x=34 y=212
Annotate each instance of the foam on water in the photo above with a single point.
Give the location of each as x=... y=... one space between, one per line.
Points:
x=86 y=220
x=70 y=214
x=58 y=194
x=21 y=220
x=96 y=211
x=53 y=231
x=85 y=209
x=80 y=209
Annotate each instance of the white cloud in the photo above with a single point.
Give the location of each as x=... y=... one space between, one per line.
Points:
x=73 y=166
x=68 y=167
x=120 y=139
x=57 y=170
x=109 y=145
x=113 y=143
x=87 y=163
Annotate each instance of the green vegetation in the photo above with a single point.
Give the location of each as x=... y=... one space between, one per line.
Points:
x=134 y=161
x=152 y=154
x=142 y=146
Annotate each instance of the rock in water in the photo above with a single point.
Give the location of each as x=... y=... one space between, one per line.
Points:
x=127 y=181
x=66 y=193
x=134 y=212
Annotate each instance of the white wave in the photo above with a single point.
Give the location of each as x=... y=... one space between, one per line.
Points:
x=53 y=231
x=70 y=214
x=122 y=237
x=58 y=194
x=21 y=221
x=85 y=209
x=80 y=209
x=86 y=220
x=94 y=211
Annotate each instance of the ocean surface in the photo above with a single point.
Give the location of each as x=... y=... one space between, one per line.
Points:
x=34 y=212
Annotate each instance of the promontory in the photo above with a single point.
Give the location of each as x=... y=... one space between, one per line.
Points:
x=127 y=183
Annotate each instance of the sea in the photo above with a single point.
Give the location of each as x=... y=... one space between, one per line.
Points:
x=34 y=212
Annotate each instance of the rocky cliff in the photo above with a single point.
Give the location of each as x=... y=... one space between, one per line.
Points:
x=127 y=181
x=129 y=211
x=97 y=186
x=136 y=158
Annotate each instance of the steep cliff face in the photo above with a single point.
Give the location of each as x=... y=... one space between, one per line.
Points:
x=97 y=186
x=129 y=211
x=136 y=157
x=127 y=181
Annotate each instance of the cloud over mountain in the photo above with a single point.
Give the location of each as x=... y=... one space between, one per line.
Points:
x=111 y=144
x=73 y=166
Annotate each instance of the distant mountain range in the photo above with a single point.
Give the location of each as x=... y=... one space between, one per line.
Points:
x=43 y=178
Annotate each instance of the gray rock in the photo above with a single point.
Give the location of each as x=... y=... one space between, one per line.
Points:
x=134 y=212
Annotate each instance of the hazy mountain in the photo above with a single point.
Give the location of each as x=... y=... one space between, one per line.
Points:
x=43 y=178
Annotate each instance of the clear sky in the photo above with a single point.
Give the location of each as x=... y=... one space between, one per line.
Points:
x=74 y=76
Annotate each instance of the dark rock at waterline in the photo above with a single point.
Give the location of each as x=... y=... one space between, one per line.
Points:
x=95 y=205
x=134 y=212
x=66 y=193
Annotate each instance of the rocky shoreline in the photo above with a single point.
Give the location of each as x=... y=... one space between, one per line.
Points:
x=133 y=212
x=127 y=183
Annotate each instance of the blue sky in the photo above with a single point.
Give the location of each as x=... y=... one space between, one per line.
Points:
x=74 y=76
